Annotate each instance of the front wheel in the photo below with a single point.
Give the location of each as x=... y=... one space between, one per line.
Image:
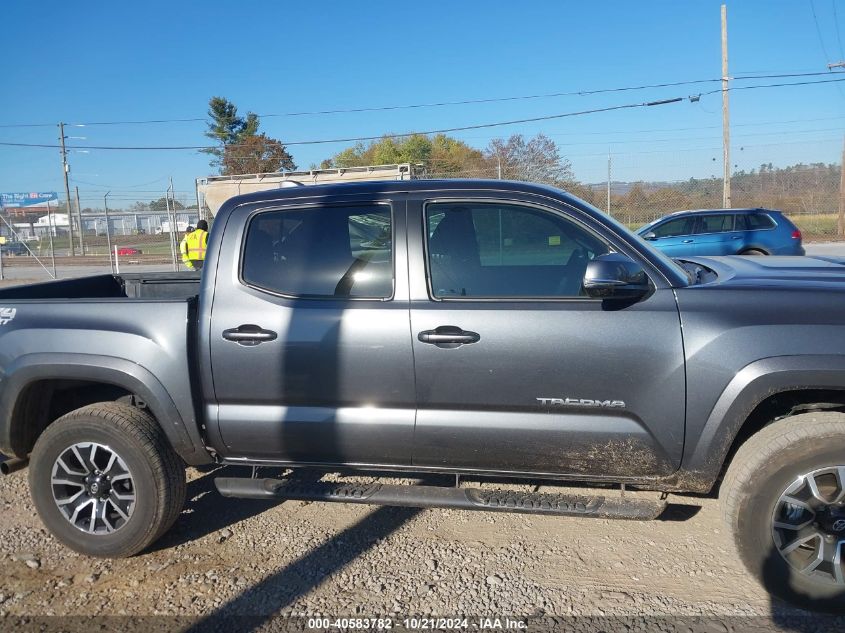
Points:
x=105 y=481
x=784 y=500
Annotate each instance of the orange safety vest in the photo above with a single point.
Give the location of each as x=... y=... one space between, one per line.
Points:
x=196 y=244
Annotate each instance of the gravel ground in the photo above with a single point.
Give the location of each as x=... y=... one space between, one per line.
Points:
x=257 y=558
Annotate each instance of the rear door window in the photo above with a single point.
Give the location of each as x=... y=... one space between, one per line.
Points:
x=717 y=223
x=328 y=252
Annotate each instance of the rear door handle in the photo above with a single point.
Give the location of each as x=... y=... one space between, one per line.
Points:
x=687 y=241
x=249 y=334
x=448 y=336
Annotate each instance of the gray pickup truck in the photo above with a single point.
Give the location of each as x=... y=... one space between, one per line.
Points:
x=488 y=331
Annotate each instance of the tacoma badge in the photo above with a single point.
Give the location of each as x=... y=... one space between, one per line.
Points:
x=581 y=402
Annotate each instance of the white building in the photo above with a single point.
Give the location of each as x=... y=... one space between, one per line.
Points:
x=58 y=221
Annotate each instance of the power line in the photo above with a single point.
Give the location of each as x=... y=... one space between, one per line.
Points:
x=606 y=133
x=819 y=32
x=838 y=34
x=372 y=138
x=795 y=83
x=436 y=131
x=437 y=104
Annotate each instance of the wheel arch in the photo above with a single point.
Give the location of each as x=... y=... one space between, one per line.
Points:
x=25 y=412
x=759 y=394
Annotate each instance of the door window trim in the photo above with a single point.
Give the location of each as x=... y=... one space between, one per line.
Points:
x=532 y=205
x=313 y=206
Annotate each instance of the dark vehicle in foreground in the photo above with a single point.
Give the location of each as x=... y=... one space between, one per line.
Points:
x=724 y=232
x=483 y=330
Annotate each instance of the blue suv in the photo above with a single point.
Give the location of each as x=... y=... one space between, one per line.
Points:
x=724 y=232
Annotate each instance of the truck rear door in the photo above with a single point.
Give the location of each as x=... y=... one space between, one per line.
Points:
x=310 y=344
x=517 y=370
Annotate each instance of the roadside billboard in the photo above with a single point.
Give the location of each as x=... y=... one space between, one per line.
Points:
x=31 y=199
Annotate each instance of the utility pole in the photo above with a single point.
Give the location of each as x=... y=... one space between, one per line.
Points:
x=65 y=170
x=171 y=219
x=108 y=229
x=51 y=225
x=840 y=224
x=608 y=182
x=726 y=119
x=81 y=226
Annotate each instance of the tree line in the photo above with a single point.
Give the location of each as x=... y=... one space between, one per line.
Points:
x=242 y=149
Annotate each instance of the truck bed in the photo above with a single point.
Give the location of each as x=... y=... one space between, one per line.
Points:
x=170 y=285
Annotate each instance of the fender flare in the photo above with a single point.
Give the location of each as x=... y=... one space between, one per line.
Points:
x=705 y=455
x=183 y=434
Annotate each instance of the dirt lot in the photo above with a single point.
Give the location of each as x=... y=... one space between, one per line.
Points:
x=244 y=557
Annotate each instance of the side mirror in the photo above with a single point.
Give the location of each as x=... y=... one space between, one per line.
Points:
x=651 y=235
x=615 y=276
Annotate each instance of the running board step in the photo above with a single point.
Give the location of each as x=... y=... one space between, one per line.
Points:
x=442 y=497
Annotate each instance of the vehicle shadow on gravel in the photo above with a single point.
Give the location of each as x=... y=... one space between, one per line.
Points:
x=267 y=598
x=205 y=511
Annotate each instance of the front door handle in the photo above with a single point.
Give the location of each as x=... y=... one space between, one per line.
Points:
x=249 y=334
x=448 y=336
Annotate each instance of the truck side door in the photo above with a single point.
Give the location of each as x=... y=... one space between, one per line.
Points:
x=309 y=340
x=517 y=369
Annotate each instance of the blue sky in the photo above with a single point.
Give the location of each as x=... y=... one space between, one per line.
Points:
x=108 y=61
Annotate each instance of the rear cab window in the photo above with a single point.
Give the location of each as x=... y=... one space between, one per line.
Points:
x=324 y=252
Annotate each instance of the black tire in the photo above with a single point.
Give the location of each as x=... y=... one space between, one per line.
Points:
x=754 y=251
x=157 y=476
x=761 y=471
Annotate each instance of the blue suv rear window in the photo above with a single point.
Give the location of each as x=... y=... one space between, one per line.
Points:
x=754 y=222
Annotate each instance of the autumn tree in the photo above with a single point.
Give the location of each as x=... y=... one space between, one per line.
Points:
x=256 y=154
x=535 y=160
x=240 y=148
x=441 y=154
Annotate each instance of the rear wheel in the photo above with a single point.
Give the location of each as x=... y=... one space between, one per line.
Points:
x=753 y=251
x=105 y=481
x=784 y=500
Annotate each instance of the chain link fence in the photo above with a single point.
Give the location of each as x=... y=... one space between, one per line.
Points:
x=39 y=243
x=135 y=236
x=808 y=194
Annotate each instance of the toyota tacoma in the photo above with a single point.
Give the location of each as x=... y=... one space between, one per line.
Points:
x=487 y=330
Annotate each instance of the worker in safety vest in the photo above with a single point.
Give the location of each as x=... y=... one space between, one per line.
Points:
x=193 y=246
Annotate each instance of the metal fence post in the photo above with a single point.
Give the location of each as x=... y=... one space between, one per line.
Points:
x=50 y=226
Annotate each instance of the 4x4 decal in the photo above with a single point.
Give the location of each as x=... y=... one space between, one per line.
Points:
x=7 y=314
